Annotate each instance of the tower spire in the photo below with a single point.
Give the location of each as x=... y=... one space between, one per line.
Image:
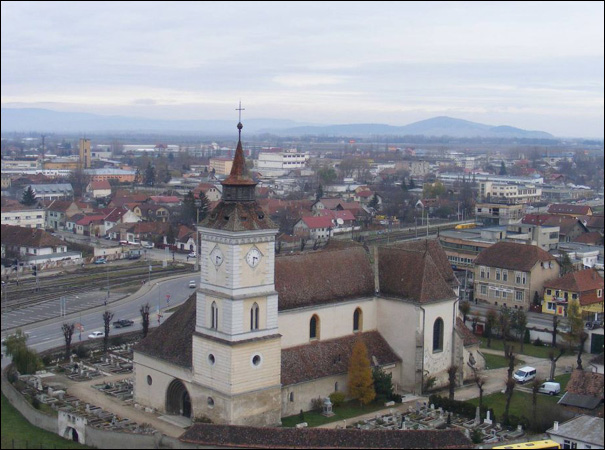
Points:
x=239 y=123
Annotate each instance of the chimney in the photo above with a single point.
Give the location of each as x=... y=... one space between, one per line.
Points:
x=555 y=427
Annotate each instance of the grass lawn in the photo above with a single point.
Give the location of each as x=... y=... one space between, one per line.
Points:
x=497 y=361
x=345 y=411
x=25 y=435
x=528 y=349
x=520 y=404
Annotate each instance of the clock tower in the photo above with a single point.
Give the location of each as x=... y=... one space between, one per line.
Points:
x=236 y=344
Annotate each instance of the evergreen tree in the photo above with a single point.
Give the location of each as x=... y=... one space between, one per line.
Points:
x=319 y=193
x=149 y=177
x=107 y=318
x=404 y=187
x=412 y=185
x=374 y=202
x=170 y=235
x=361 y=384
x=68 y=332
x=145 y=318
x=502 y=168
x=29 y=197
x=189 y=208
x=204 y=206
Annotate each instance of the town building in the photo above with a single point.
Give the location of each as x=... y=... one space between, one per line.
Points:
x=99 y=189
x=221 y=166
x=585 y=287
x=491 y=191
x=34 y=246
x=579 y=432
x=513 y=275
x=57 y=191
x=23 y=216
x=498 y=213
x=272 y=164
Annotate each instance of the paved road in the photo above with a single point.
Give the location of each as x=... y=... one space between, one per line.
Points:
x=161 y=296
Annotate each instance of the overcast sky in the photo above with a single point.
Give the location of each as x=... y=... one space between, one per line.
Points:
x=536 y=66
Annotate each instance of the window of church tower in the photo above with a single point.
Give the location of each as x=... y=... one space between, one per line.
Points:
x=357 y=320
x=149 y=380
x=438 y=335
x=210 y=402
x=254 y=313
x=314 y=327
x=291 y=396
x=256 y=360
x=211 y=359
x=214 y=316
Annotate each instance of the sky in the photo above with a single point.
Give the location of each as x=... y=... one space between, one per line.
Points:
x=532 y=65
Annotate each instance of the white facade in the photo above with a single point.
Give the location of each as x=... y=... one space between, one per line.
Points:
x=25 y=217
x=510 y=193
x=271 y=164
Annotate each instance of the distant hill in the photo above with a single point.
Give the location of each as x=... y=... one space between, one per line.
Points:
x=437 y=126
x=44 y=120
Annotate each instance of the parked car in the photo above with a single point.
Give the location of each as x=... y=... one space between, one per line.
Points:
x=191 y=255
x=96 y=335
x=525 y=374
x=192 y=284
x=148 y=245
x=134 y=256
x=550 y=388
x=101 y=261
x=123 y=323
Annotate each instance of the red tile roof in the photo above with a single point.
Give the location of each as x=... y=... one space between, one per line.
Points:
x=513 y=256
x=28 y=237
x=586 y=383
x=100 y=185
x=564 y=208
x=468 y=338
x=339 y=271
x=314 y=222
x=320 y=359
x=410 y=272
x=210 y=435
x=585 y=282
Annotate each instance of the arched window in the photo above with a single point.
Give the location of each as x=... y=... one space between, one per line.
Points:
x=336 y=387
x=214 y=316
x=314 y=327
x=291 y=396
x=438 y=335
x=357 y=320
x=254 y=313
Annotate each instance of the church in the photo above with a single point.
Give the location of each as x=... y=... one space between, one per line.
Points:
x=265 y=334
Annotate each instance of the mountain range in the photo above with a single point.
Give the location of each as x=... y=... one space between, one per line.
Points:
x=44 y=120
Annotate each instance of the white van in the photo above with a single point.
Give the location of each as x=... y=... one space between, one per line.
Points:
x=525 y=374
x=550 y=388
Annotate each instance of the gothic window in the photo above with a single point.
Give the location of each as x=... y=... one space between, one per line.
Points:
x=314 y=327
x=357 y=320
x=438 y=335
x=254 y=313
x=214 y=316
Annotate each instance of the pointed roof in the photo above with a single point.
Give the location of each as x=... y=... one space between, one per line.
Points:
x=414 y=272
x=239 y=174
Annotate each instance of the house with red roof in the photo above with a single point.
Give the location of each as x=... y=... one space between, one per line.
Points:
x=99 y=189
x=583 y=286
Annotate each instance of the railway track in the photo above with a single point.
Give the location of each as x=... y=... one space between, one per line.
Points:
x=50 y=288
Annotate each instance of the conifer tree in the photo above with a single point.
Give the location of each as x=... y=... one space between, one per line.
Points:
x=29 y=197
x=361 y=383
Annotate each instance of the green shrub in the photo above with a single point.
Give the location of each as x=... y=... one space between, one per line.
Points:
x=538 y=342
x=317 y=404
x=337 y=398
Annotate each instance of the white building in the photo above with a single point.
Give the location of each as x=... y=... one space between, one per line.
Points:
x=276 y=164
x=491 y=191
x=23 y=216
x=579 y=432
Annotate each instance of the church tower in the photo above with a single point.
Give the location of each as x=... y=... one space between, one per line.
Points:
x=236 y=344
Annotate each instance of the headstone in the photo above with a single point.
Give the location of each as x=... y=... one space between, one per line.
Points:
x=478 y=416
x=487 y=419
x=327 y=408
x=433 y=406
x=519 y=428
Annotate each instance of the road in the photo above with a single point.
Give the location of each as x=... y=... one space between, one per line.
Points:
x=47 y=334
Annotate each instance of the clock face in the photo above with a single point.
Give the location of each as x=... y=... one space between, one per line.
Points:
x=253 y=257
x=216 y=256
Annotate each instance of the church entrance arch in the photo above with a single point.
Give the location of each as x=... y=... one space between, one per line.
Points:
x=71 y=434
x=178 y=401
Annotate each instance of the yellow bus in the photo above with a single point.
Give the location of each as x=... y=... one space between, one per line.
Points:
x=464 y=226
x=533 y=444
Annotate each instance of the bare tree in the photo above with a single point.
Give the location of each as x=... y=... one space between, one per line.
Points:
x=107 y=317
x=145 y=318
x=583 y=338
x=480 y=381
x=465 y=309
x=510 y=388
x=452 y=371
x=535 y=387
x=491 y=319
x=68 y=332
x=553 y=361
x=555 y=325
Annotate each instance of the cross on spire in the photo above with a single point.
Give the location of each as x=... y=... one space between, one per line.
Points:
x=239 y=124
